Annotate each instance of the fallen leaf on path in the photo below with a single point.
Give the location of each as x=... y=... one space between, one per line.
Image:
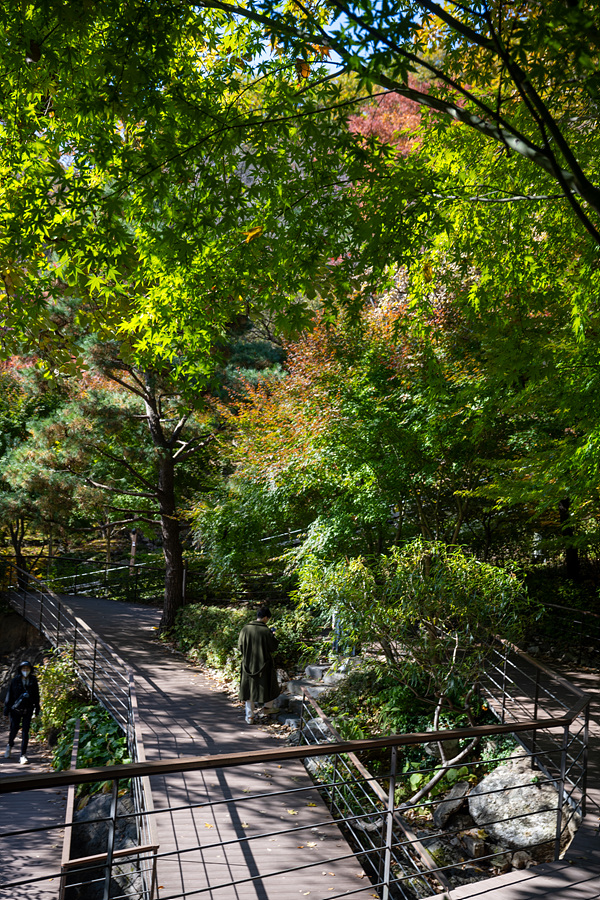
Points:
x=208 y=825
x=245 y=825
x=311 y=843
x=311 y=804
x=292 y=812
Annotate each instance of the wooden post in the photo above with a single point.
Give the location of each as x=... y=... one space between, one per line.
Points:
x=133 y=549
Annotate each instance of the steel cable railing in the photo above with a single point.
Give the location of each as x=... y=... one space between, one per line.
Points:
x=392 y=857
x=110 y=681
x=398 y=860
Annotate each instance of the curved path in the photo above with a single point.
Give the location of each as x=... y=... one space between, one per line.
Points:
x=185 y=714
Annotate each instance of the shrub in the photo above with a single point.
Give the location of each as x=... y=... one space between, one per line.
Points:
x=60 y=692
x=102 y=742
x=64 y=699
x=210 y=633
x=431 y=610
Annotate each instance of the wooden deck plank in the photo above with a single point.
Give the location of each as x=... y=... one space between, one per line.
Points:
x=554 y=881
x=184 y=713
x=39 y=854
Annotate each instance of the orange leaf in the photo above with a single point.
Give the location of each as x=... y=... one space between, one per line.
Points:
x=302 y=68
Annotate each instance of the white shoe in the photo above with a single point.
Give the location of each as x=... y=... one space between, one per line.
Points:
x=23 y=760
x=7 y=752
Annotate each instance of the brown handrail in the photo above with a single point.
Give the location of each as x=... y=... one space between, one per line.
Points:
x=229 y=760
x=102 y=857
x=418 y=847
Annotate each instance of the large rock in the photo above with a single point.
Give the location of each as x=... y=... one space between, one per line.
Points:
x=516 y=808
x=90 y=837
x=315 y=672
x=295 y=687
x=451 y=803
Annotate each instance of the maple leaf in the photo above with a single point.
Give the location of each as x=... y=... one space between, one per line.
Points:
x=302 y=68
x=252 y=233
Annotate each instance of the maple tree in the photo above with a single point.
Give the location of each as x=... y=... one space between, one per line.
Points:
x=523 y=77
x=374 y=436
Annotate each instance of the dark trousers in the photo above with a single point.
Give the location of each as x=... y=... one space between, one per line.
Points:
x=22 y=721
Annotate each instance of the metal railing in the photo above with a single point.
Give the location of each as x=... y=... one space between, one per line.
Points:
x=393 y=858
x=516 y=687
x=394 y=840
x=110 y=681
x=132 y=582
x=578 y=631
x=394 y=851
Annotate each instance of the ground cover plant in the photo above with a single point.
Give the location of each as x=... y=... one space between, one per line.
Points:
x=64 y=700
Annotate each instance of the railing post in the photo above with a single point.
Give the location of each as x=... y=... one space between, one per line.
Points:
x=57 y=623
x=75 y=643
x=535 y=715
x=333 y=787
x=586 y=734
x=561 y=791
x=94 y=666
x=504 y=686
x=112 y=827
x=41 y=626
x=301 y=726
x=387 y=866
x=75 y=580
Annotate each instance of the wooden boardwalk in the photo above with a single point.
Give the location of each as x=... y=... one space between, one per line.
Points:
x=185 y=714
x=37 y=855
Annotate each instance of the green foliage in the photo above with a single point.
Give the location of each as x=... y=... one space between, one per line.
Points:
x=102 y=742
x=210 y=634
x=498 y=748
x=414 y=778
x=433 y=612
x=60 y=691
x=64 y=700
x=401 y=712
x=369 y=702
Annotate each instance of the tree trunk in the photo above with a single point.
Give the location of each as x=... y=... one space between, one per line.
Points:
x=17 y=537
x=571 y=553
x=171 y=541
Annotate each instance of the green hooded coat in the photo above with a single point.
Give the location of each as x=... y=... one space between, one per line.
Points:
x=258 y=681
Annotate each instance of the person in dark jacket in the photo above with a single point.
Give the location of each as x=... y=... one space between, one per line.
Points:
x=258 y=681
x=22 y=702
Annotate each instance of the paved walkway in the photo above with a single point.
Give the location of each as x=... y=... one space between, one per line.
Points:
x=39 y=854
x=185 y=714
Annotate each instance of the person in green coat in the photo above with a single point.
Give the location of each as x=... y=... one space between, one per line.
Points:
x=258 y=679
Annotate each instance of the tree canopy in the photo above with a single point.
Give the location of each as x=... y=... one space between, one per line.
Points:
x=524 y=76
